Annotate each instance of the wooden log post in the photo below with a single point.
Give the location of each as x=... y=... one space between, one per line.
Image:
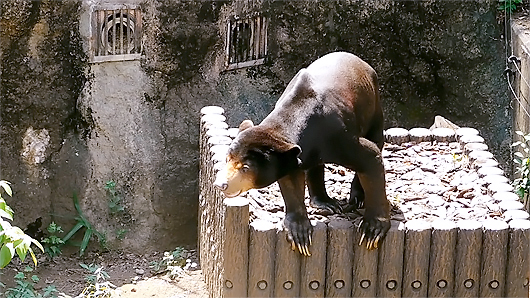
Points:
x=441 y=268
x=489 y=179
x=313 y=268
x=484 y=171
x=464 y=131
x=397 y=135
x=518 y=270
x=443 y=134
x=483 y=162
x=419 y=134
x=287 y=268
x=261 y=256
x=235 y=247
x=416 y=258
x=479 y=155
x=390 y=265
x=467 y=261
x=494 y=255
x=466 y=139
x=339 y=258
x=470 y=147
x=216 y=212
x=211 y=118
x=515 y=214
x=505 y=196
x=511 y=205
x=364 y=283
x=494 y=188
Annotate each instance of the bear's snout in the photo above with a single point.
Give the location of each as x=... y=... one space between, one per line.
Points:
x=220 y=181
x=221 y=186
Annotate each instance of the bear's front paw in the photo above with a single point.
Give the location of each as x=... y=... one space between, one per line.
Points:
x=373 y=230
x=299 y=232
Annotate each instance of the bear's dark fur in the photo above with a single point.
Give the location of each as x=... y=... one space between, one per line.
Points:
x=329 y=113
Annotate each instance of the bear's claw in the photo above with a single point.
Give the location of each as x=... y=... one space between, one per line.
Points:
x=373 y=230
x=299 y=232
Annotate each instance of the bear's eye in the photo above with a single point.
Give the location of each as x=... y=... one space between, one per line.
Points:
x=245 y=168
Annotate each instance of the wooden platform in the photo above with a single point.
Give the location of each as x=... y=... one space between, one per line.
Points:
x=417 y=258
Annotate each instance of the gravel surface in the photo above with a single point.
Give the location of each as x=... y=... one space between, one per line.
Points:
x=427 y=181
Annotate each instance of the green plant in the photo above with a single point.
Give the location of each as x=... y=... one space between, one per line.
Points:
x=12 y=239
x=82 y=222
x=121 y=233
x=97 y=286
x=171 y=263
x=53 y=243
x=522 y=159
x=96 y=273
x=509 y=5
x=114 y=198
x=25 y=287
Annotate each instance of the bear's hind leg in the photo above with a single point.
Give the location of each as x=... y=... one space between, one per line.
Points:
x=319 y=198
x=356 y=200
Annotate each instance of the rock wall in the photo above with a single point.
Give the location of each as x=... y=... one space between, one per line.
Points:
x=71 y=126
x=41 y=135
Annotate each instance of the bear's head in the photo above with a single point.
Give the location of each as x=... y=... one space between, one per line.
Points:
x=256 y=158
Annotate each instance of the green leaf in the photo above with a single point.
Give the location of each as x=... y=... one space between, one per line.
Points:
x=84 y=243
x=518 y=154
x=35 y=278
x=8 y=211
x=49 y=290
x=73 y=231
x=5 y=185
x=37 y=244
x=22 y=250
x=20 y=275
x=6 y=254
x=76 y=205
x=4 y=214
x=33 y=257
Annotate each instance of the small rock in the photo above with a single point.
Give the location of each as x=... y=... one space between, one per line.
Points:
x=139 y=271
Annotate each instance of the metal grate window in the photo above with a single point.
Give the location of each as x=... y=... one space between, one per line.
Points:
x=117 y=34
x=246 y=42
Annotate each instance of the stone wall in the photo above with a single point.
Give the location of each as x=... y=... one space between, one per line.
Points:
x=42 y=133
x=137 y=122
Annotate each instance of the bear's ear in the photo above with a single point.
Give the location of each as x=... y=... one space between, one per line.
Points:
x=245 y=124
x=294 y=152
x=303 y=86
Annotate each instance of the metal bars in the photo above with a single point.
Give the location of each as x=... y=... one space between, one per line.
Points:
x=116 y=34
x=246 y=42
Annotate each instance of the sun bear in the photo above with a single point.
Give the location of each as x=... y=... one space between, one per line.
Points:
x=330 y=112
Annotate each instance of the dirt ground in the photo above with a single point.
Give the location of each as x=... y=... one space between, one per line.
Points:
x=133 y=275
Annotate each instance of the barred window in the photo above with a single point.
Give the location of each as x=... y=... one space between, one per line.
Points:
x=246 y=42
x=116 y=34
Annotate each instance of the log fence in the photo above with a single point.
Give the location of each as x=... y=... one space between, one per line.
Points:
x=467 y=258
